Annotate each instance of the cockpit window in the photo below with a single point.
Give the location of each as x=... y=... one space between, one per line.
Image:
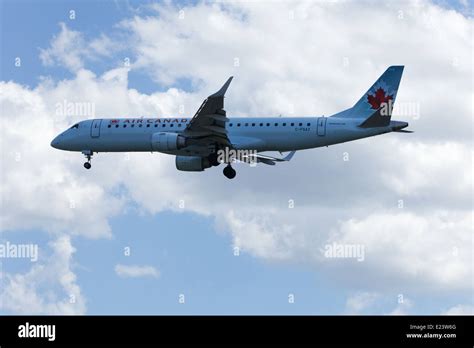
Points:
x=75 y=126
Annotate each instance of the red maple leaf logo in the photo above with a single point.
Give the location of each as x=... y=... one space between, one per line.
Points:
x=378 y=98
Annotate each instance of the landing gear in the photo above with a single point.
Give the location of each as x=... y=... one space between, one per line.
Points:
x=213 y=159
x=229 y=172
x=88 y=155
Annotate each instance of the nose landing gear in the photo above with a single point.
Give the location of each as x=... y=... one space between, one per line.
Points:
x=229 y=172
x=88 y=155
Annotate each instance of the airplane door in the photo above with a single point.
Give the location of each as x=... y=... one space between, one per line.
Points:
x=95 y=128
x=322 y=126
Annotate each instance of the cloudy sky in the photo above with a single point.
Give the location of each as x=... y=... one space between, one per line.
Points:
x=135 y=236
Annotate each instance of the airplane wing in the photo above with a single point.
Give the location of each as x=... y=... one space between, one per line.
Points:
x=208 y=124
x=268 y=159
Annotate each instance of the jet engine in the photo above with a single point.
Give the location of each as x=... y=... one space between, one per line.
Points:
x=192 y=163
x=165 y=141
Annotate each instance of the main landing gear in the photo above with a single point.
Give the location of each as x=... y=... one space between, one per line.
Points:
x=213 y=159
x=229 y=172
x=88 y=155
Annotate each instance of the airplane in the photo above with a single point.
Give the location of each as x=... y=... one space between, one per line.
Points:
x=198 y=142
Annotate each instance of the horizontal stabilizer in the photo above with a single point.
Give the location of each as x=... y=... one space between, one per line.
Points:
x=269 y=159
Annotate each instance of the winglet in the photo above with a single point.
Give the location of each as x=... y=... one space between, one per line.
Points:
x=221 y=92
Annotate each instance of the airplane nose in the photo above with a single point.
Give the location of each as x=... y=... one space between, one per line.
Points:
x=55 y=143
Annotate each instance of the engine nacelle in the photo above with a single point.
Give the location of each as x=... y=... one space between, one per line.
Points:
x=192 y=163
x=164 y=141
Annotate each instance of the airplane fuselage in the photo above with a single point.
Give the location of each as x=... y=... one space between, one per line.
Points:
x=199 y=142
x=246 y=133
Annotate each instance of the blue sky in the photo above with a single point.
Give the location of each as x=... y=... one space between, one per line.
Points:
x=91 y=17
x=192 y=250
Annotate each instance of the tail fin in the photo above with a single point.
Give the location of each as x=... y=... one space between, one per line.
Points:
x=374 y=109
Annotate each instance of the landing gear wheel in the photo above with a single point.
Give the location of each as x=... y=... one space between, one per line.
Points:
x=229 y=172
x=88 y=154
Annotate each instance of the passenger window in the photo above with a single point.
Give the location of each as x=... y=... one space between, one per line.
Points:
x=246 y=125
x=292 y=124
x=133 y=125
x=109 y=126
x=164 y=125
x=284 y=124
x=147 y=125
x=308 y=124
x=156 y=125
x=171 y=125
x=276 y=124
x=238 y=124
x=261 y=124
x=140 y=125
x=253 y=124
x=116 y=126
x=268 y=124
x=230 y=124
x=124 y=126
x=179 y=125
x=301 y=124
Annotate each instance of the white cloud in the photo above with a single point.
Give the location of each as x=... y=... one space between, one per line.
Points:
x=433 y=250
x=66 y=49
x=133 y=271
x=359 y=302
x=103 y=46
x=49 y=287
x=255 y=234
x=431 y=165
x=364 y=302
x=403 y=308
x=39 y=187
x=462 y=309
x=70 y=49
